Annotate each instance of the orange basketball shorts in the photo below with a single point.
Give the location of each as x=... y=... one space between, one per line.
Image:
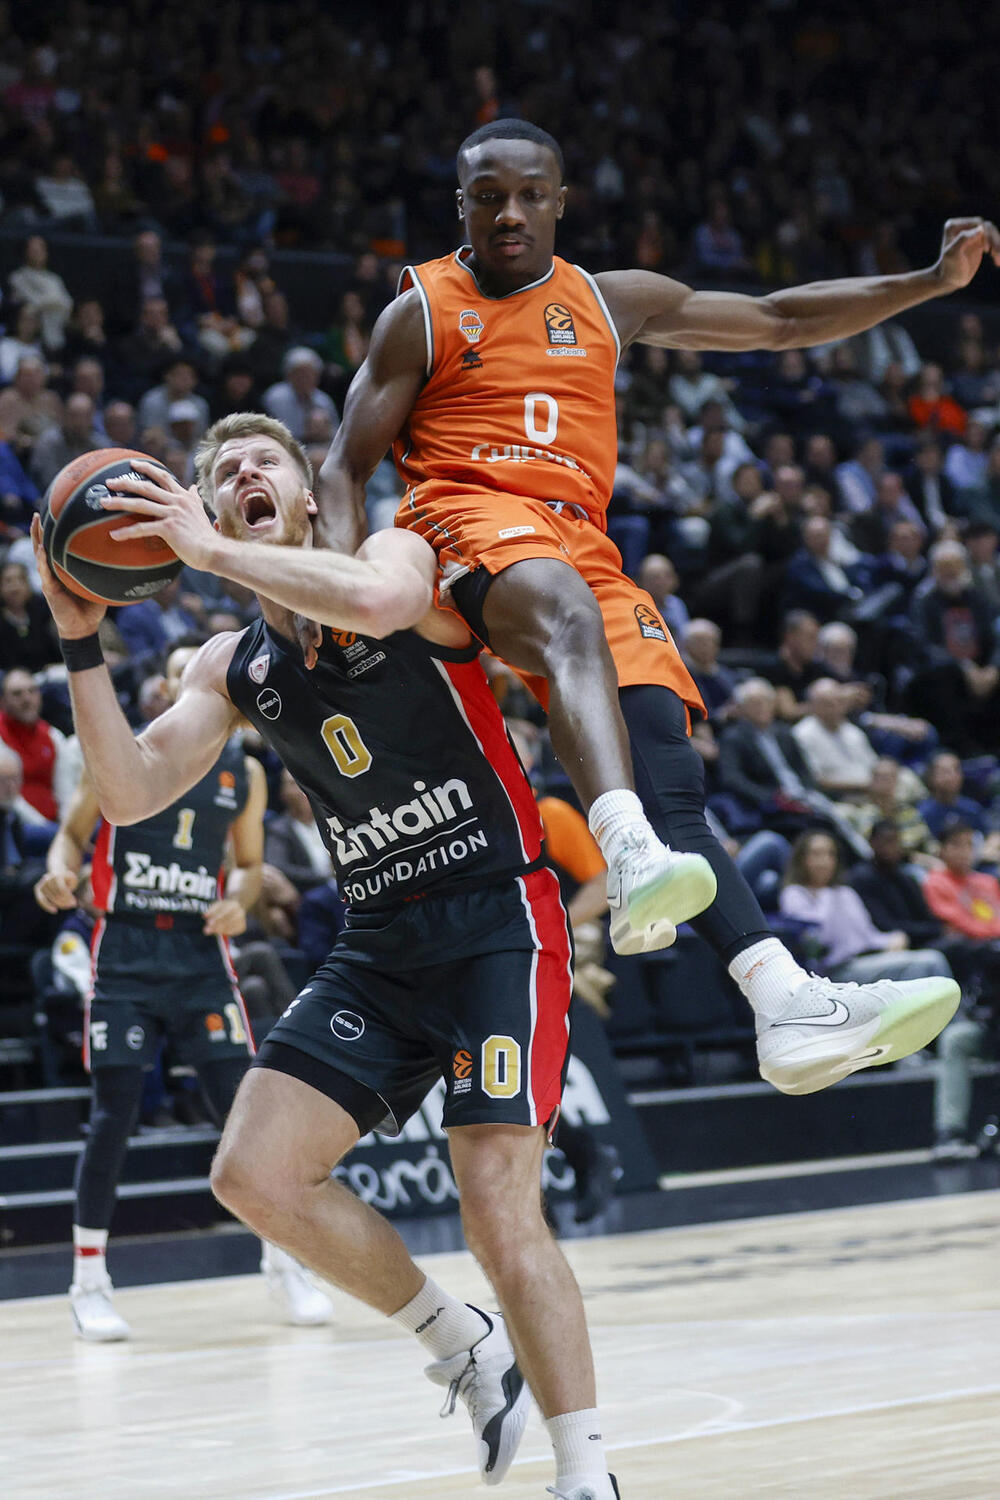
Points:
x=471 y=529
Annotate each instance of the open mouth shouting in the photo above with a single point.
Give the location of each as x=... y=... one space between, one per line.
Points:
x=257 y=507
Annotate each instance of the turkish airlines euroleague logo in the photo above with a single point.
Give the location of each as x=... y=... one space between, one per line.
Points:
x=559 y=324
x=650 y=625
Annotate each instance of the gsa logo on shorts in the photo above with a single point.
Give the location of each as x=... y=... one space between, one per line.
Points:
x=269 y=703
x=347 y=1026
x=135 y=1036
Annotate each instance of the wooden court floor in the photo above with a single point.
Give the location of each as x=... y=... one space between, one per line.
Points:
x=846 y=1354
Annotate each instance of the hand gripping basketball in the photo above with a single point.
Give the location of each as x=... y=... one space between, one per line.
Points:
x=78 y=531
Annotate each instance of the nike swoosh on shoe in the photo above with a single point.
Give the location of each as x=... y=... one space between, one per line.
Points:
x=835 y=1017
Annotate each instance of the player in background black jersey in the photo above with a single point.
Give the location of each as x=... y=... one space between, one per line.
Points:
x=455 y=960
x=161 y=969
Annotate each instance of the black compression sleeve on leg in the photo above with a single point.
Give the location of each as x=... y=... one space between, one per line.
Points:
x=670 y=782
x=114 y=1109
x=219 y=1081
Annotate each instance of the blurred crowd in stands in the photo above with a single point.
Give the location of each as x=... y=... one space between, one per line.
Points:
x=819 y=529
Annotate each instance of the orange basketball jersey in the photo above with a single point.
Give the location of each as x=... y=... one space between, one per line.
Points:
x=520 y=389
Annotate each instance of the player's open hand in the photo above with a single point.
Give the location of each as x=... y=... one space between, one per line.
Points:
x=74 y=617
x=57 y=892
x=963 y=245
x=225 y=918
x=163 y=507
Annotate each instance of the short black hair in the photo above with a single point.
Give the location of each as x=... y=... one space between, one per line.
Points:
x=881 y=826
x=511 y=130
x=955 y=828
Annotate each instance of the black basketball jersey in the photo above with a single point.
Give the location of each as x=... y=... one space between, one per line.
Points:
x=171 y=864
x=403 y=753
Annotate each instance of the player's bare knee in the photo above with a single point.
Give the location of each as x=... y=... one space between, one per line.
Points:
x=574 y=631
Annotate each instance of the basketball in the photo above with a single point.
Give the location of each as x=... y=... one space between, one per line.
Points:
x=76 y=532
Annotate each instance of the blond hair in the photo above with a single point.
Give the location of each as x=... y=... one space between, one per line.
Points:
x=243 y=424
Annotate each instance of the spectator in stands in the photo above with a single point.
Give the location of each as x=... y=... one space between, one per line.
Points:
x=858 y=477
x=34 y=285
x=871 y=531
x=928 y=486
x=946 y=804
x=981 y=505
x=981 y=540
x=294 y=399
x=27 y=638
x=153 y=341
x=22 y=341
x=813 y=581
x=146 y=277
x=272 y=340
x=690 y=386
x=18 y=495
x=701 y=644
x=86 y=337
x=206 y=300
x=151 y=627
x=27 y=406
x=717 y=247
x=839 y=755
x=76 y=434
x=967 y=900
x=899 y=568
x=760 y=764
x=931 y=407
x=22 y=861
x=891 y=798
x=958 y=688
x=66 y=195
x=854 y=949
x=120 y=425
x=293 y=843
x=48 y=768
x=796 y=667
x=965 y=462
x=892 y=896
x=180 y=378
x=235 y=388
x=968 y=903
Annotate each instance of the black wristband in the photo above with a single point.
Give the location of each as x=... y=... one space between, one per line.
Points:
x=83 y=653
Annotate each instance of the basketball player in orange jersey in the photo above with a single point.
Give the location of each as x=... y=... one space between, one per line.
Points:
x=492 y=374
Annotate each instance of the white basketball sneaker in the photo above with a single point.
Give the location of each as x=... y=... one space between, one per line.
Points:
x=291 y=1286
x=830 y=1030
x=488 y=1380
x=608 y=1491
x=94 y=1315
x=651 y=890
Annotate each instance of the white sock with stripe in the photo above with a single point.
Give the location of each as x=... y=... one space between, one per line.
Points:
x=768 y=975
x=579 y=1450
x=616 y=816
x=442 y=1324
x=89 y=1248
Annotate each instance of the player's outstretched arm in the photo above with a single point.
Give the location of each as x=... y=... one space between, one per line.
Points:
x=377 y=592
x=651 y=309
x=379 y=400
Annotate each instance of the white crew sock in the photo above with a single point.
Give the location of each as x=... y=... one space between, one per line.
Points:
x=613 y=817
x=768 y=975
x=442 y=1324
x=89 y=1248
x=579 y=1451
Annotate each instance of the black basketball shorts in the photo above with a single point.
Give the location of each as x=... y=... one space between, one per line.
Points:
x=474 y=987
x=147 y=984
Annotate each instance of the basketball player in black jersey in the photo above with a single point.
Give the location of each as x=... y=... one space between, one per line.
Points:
x=161 y=968
x=455 y=961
